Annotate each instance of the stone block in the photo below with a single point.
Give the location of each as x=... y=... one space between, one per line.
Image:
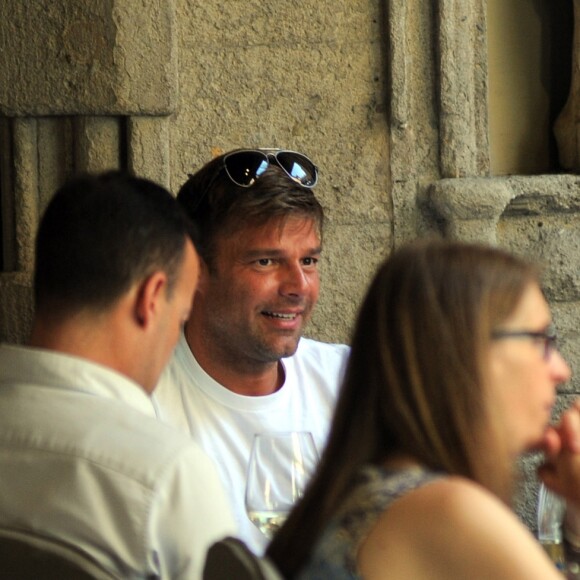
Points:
x=70 y=57
x=260 y=104
x=289 y=24
x=554 y=242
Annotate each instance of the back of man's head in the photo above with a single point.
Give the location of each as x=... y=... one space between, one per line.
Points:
x=100 y=235
x=217 y=205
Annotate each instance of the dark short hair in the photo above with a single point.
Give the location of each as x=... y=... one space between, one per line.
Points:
x=218 y=206
x=102 y=233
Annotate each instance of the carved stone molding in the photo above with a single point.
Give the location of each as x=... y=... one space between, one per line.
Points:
x=471 y=208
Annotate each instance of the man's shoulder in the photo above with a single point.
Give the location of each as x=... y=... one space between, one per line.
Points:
x=110 y=435
x=133 y=433
x=317 y=363
x=146 y=449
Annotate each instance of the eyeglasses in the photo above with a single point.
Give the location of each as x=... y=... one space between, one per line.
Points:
x=246 y=166
x=548 y=337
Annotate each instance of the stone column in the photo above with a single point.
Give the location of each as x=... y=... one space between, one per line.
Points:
x=464 y=147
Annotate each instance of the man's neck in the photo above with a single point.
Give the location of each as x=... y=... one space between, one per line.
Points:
x=240 y=377
x=100 y=339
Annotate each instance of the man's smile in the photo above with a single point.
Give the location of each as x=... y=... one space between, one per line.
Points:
x=281 y=315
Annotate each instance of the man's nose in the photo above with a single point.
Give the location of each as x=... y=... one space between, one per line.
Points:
x=295 y=281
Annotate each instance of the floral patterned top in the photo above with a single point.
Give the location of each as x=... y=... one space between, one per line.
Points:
x=375 y=489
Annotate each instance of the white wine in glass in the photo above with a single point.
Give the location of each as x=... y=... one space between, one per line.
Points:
x=551 y=510
x=279 y=469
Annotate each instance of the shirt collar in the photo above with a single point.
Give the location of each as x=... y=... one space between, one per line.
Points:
x=19 y=364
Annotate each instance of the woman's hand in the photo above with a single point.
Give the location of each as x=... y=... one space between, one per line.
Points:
x=561 y=470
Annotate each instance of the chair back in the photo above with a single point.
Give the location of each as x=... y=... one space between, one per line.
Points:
x=25 y=555
x=231 y=559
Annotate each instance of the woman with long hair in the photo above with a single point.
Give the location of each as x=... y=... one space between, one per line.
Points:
x=452 y=376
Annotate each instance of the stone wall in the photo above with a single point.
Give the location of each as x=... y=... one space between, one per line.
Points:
x=388 y=98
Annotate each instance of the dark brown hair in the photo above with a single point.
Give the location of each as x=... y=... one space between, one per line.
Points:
x=220 y=207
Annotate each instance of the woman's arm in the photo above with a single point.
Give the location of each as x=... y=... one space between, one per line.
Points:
x=452 y=529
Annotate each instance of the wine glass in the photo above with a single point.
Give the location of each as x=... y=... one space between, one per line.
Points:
x=280 y=466
x=551 y=509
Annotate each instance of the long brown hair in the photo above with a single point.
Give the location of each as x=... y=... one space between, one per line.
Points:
x=414 y=382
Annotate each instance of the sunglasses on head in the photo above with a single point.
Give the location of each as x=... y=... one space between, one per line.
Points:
x=246 y=166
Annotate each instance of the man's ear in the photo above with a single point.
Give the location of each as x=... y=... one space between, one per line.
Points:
x=203 y=277
x=150 y=293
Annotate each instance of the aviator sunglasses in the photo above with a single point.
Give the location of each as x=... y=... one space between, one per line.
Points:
x=244 y=167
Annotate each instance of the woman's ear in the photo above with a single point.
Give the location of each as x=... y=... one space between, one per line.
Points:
x=152 y=290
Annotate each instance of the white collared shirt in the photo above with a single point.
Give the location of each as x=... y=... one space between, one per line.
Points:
x=83 y=459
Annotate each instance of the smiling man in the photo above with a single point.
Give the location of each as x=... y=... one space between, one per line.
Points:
x=241 y=366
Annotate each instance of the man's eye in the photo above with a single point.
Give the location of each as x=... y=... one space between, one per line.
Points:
x=264 y=261
x=310 y=261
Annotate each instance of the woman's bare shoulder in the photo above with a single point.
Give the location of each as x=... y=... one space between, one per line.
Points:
x=452 y=528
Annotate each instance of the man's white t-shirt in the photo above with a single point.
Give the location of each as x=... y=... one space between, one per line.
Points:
x=224 y=423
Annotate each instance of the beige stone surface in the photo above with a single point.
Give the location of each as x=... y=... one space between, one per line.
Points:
x=15 y=307
x=349 y=258
x=149 y=148
x=567 y=319
x=68 y=57
x=96 y=143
